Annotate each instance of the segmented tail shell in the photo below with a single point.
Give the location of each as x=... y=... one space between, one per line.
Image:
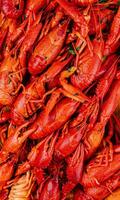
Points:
x=21 y=189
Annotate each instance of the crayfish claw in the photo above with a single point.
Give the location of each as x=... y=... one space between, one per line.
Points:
x=75 y=165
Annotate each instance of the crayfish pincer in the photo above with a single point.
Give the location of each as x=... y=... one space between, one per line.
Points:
x=40 y=155
x=14 y=142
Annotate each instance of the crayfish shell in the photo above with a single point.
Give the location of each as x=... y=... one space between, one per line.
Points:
x=21 y=189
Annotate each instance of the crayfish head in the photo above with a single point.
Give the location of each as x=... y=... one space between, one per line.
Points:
x=16 y=117
x=37 y=64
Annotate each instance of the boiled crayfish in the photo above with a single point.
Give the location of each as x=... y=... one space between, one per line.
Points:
x=59 y=100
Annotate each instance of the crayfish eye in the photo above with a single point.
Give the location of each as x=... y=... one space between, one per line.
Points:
x=17 y=6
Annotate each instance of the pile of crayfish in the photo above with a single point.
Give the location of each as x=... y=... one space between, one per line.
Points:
x=59 y=99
